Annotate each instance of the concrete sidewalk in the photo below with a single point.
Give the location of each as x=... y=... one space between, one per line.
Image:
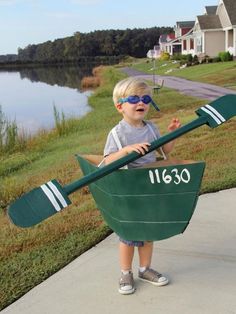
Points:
x=201 y=264
x=186 y=87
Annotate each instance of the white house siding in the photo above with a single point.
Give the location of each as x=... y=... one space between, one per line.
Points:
x=229 y=41
x=230 y=37
x=234 y=40
x=225 y=21
x=214 y=43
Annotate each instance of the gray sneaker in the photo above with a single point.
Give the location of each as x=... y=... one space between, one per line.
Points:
x=126 y=283
x=153 y=277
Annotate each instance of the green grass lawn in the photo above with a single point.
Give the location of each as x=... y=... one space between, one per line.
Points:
x=29 y=256
x=219 y=73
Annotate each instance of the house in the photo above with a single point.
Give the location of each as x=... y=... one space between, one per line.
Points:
x=172 y=43
x=211 y=33
x=215 y=31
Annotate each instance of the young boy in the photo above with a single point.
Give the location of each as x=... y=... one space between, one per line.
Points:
x=132 y=98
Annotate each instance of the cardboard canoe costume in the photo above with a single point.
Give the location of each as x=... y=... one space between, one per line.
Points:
x=149 y=203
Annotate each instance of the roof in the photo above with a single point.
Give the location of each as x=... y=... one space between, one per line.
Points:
x=230 y=6
x=209 y=21
x=183 y=24
x=211 y=10
x=162 y=38
x=171 y=36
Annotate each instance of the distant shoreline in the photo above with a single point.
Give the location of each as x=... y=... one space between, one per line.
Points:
x=106 y=60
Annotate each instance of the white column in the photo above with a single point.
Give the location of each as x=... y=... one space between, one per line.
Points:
x=226 y=40
x=203 y=43
x=234 y=41
x=195 y=46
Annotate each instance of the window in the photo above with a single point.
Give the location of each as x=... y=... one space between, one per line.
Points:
x=191 y=43
x=199 y=44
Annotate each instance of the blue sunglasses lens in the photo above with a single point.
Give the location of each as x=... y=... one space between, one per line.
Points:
x=146 y=99
x=133 y=99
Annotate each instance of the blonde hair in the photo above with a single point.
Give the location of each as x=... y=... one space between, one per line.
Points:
x=130 y=86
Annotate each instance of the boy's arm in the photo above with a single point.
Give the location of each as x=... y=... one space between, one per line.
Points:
x=167 y=148
x=175 y=124
x=140 y=148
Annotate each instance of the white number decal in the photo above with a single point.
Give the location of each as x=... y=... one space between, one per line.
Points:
x=187 y=174
x=156 y=177
x=166 y=177
x=177 y=177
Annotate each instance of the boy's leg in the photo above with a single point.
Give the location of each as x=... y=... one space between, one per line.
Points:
x=145 y=254
x=126 y=283
x=126 y=256
x=145 y=272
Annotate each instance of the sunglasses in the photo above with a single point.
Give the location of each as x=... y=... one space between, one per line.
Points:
x=146 y=99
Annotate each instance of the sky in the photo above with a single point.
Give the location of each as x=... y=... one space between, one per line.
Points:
x=24 y=22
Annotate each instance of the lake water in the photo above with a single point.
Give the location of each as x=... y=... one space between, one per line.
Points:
x=28 y=95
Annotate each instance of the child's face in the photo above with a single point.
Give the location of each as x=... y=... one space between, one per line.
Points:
x=133 y=112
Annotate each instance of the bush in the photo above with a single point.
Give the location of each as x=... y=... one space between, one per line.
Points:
x=183 y=57
x=165 y=56
x=189 y=57
x=216 y=59
x=225 y=56
x=176 y=56
x=195 y=60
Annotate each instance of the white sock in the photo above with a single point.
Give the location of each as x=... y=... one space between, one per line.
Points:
x=142 y=269
x=126 y=272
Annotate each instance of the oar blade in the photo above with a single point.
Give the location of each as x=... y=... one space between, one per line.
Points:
x=219 y=111
x=38 y=204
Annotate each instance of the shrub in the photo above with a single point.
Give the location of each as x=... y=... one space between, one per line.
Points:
x=225 y=56
x=90 y=82
x=189 y=57
x=165 y=56
x=216 y=59
x=176 y=56
x=195 y=59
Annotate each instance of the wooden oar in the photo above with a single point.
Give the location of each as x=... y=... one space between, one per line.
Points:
x=51 y=197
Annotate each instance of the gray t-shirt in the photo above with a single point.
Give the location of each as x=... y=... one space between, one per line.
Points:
x=128 y=135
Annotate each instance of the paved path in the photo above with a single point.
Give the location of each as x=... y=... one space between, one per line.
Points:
x=201 y=264
x=191 y=88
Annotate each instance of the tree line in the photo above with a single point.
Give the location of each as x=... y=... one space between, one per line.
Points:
x=101 y=43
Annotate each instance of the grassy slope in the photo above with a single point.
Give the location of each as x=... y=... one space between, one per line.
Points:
x=29 y=256
x=221 y=73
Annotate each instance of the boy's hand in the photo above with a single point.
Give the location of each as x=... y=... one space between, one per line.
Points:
x=175 y=124
x=139 y=148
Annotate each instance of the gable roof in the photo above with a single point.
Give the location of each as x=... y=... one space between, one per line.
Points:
x=211 y=9
x=162 y=38
x=209 y=22
x=230 y=6
x=170 y=36
x=185 y=24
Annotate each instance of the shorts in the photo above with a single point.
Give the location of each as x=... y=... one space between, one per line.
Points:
x=132 y=243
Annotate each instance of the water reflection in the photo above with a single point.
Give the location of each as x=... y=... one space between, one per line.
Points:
x=28 y=95
x=69 y=76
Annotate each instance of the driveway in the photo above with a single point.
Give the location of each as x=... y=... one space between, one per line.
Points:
x=186 y=87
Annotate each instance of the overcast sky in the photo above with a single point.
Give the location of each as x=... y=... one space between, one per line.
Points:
x=24 y=22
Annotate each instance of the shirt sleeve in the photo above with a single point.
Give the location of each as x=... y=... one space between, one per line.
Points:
x=110 y=146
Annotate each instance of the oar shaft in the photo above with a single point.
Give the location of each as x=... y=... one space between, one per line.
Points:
x=101 y=172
